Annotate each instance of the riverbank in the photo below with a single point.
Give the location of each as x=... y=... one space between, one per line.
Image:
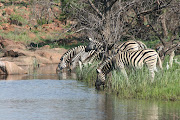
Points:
x=165 y=86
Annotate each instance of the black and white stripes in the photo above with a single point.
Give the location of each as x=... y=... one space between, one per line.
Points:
x=134 y=59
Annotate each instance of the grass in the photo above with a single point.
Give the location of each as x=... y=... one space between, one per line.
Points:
x=88 y=74
x=165 y=86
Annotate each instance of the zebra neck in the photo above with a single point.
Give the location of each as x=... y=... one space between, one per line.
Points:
x=107 y=65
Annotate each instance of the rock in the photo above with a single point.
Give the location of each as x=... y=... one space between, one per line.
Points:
x=32 y=35
x=12 y=53
x=5 y=26
x=11 y=68
x=53 y=56
x=10 y=44
x=46 y=47
x=40 y=56
x=2 y=68
x=1 y=5
x=2 y=72
x=15 y=46
x=1 y=27
x=9 y=11
x=43 y=37
x=5 y=43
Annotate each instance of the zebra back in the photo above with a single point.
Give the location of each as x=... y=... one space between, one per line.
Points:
x=138 y=58
x=65 y=59
x=106 y=66
x=131 y=45
x=81 y=57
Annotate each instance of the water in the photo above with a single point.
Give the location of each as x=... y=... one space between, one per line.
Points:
x=48 y=97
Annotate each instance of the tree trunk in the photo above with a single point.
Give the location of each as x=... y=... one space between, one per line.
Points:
x=163 y=22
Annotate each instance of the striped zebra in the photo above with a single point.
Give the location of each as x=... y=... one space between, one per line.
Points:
x=82 y=58
x=67 y=57
x=129 y=45
x=135 y=59
x=93 y=45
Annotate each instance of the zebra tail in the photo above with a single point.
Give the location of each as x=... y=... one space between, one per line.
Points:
x=160 y=63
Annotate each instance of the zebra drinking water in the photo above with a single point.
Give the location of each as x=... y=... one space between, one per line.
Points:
x=136 y=59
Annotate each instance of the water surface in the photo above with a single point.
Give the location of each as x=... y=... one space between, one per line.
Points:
x=51 y=96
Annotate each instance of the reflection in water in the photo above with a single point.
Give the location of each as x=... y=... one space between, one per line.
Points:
x=66 y=75
x=44 y=95
x=44 y=72
x=140 y=109
x=73 y=100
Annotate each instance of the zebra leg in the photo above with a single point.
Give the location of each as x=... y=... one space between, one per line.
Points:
x=91 y=60
x=151 y=72
x=125 y=75
x=171 y=58
x=120 y=65
x=80 y=65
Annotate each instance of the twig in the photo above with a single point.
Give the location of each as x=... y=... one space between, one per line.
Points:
x=93 y=6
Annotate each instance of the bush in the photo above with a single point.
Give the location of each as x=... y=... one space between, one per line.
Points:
x=17 y=19
x=139 y=86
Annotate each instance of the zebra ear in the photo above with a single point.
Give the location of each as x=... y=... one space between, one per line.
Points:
x=98 y=71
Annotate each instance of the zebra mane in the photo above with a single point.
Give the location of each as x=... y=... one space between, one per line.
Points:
x=107 y=65
x=72 y=52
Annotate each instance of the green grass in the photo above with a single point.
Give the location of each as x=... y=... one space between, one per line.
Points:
x=165 y=86
x=88 y=74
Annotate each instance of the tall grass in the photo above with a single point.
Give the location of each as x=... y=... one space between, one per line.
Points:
x=87 y=74
x=166 y=85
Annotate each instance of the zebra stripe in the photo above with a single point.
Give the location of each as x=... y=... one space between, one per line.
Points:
x=130 y=45
x=66 y=58
x=135 y=59
x=82 y=57
x=93 y=45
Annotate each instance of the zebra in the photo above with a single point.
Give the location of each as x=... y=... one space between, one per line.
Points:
x=163 y=51
x=66 y=58
x=82 y=58
x=93 y=45
x=136 y=59
x=129 y=45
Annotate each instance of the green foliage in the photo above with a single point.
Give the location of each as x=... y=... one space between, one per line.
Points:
x=88 y=73
x=165 y=86
x=67 y=46
x=66 y=6
x=42 y=21
x=18 y=18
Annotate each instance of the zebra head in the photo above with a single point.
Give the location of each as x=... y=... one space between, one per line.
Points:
x=62 y=65
x=100 y=79
x=93 y=45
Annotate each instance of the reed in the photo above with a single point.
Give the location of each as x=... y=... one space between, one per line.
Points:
x=165 y=86
x=87 y=74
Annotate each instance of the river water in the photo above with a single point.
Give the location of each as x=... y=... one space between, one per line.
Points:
x=49 y=96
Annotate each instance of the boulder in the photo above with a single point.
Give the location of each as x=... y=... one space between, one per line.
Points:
x=1 y=4
x=11 y=68
x=10 y=44
x=9 y=11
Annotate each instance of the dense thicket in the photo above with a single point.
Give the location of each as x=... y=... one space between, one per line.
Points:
x=114 y=20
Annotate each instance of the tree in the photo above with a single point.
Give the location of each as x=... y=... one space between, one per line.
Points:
x=110 y=21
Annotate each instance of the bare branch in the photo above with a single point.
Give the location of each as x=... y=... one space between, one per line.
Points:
x=96 y=9
x=154 y=9
x=162 y=41
x=109 y=8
